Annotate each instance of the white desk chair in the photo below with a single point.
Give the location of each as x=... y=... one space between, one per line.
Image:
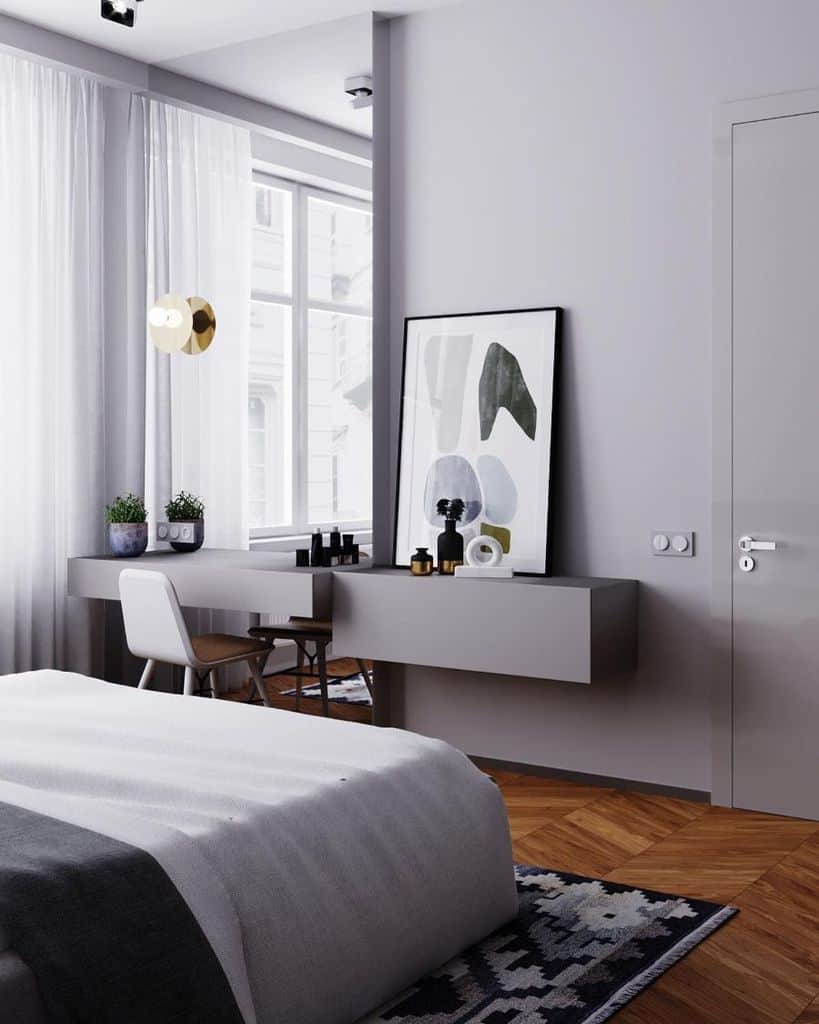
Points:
x=155 y=630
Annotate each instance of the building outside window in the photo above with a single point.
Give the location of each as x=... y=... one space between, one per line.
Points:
x=310 y=390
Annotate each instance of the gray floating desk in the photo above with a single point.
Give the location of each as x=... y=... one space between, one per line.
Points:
x=244 y=581
x=577 y=630
x=574 y=630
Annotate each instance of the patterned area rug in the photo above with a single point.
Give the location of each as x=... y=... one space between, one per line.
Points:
x=577 y=952
x=343 y=690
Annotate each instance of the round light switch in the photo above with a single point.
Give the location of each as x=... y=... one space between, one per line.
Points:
x=661 y=542
x=679 y=543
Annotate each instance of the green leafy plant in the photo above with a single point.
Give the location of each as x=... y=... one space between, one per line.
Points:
x=450 y=508
x=126 y=508
x=184 y=506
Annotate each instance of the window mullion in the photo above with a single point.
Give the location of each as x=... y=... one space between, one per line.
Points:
x=362 y=312
x=301 y=407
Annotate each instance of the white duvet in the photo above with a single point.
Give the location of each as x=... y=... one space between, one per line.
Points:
x=329 y=864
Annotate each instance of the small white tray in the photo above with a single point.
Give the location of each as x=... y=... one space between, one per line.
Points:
x=472 y=572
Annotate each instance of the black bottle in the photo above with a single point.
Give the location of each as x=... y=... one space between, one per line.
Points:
x=317 y=549
x=335 y=546
x=347 y=548
x=450 y=549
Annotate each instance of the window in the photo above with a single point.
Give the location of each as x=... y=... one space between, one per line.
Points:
x=310 y=393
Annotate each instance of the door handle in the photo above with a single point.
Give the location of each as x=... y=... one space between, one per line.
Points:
x=747 y=544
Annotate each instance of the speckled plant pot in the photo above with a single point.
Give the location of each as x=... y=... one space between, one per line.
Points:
x=127 y=540
x=198 y=535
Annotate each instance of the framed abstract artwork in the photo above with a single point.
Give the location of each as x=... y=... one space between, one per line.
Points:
x=477 y=423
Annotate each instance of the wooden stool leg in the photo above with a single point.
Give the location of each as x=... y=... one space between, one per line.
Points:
x=190 y=681
x=258 y=680
x=322 y=667
x=362 y=668
x=147 y=674
x=299 y=670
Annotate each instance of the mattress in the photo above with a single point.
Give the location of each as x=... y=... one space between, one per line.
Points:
x=328 y=864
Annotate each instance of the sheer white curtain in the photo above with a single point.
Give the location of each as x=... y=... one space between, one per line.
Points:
x=199 y=225
x=52 y=359
x=79 y=244
x=199 y=243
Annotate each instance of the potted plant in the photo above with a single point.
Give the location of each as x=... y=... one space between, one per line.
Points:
x=127 y=526
x=450 y=542
x=190 y=510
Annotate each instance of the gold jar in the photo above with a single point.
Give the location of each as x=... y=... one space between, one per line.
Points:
x=421 y=563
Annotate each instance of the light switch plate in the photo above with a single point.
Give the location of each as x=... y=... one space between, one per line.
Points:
x=181 y=532
x=673 y=543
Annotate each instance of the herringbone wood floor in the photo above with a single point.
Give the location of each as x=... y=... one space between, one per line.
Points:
x=760 y=968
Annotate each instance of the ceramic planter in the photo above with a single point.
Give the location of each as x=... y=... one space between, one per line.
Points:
x=127 y=540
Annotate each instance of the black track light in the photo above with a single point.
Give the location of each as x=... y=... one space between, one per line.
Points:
x=121 y=12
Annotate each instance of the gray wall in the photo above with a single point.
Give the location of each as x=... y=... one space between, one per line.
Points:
x=560 y=154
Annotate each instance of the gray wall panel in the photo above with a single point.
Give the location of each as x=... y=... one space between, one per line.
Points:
x=561 y=154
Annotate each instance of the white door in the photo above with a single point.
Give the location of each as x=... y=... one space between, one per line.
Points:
x=775 y=463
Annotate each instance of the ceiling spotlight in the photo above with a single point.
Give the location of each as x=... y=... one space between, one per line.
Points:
x=121 y=12
x=361 y=90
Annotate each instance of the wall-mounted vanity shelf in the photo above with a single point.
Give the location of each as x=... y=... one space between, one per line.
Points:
x=573 y=629
x=578 y=630
x=252 y=581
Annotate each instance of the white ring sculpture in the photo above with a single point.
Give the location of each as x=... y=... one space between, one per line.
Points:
x=475 y=557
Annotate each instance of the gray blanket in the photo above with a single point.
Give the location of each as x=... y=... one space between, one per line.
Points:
x=107 y=935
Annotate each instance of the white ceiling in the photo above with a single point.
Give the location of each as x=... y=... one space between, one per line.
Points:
x=302 y=71
x=167 y=29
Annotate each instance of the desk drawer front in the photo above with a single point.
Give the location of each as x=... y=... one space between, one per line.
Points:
x=502 y=627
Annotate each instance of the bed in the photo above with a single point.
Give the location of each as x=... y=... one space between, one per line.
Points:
x=325 y=865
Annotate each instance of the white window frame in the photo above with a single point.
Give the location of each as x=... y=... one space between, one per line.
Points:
x=300 y=305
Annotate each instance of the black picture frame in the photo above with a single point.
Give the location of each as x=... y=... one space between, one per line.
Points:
x=555 y=419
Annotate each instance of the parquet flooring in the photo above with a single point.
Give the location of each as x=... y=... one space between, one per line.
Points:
x=760 y=968
x=811 y=1015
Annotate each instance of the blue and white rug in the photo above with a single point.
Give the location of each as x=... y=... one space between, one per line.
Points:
x=347 y=690
x=577 y=952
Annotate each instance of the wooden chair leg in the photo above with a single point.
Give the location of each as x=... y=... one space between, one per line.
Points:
x=190 y=681
x=147 y=674
x=362 y=668
x=258 y=680
x=321 y=649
